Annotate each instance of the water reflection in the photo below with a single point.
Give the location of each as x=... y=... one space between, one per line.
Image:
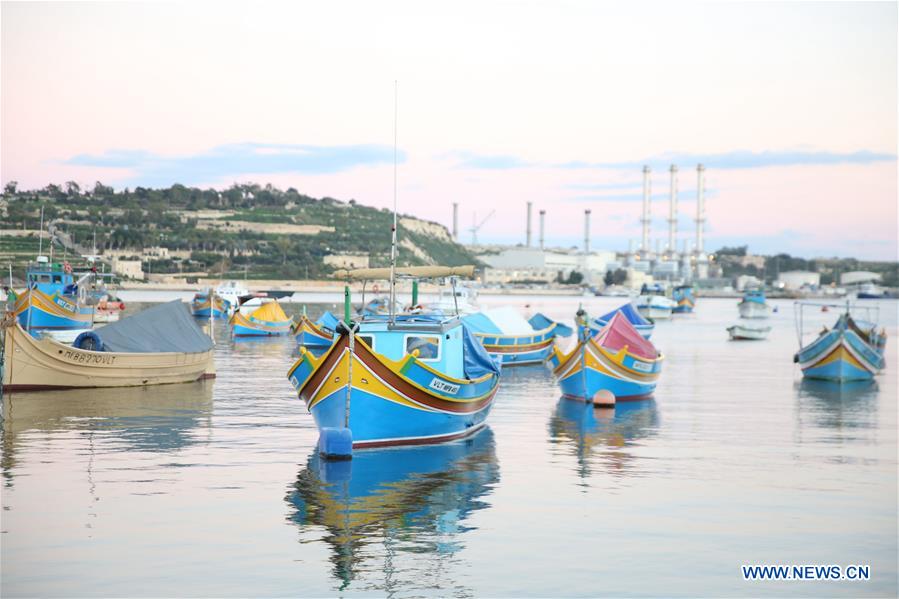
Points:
x=159 y=418
x=405 y=508
x=600 y=437
x=844 y=410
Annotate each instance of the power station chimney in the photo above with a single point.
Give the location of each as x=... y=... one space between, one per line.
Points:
x=528 y=243
x=542 y=218
x=700 y=207
x=456 y=221
x=647 y=210
x=587 y=231
x=672 y=214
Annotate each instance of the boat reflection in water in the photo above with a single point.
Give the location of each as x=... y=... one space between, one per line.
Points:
x=155 y=419
x=600 y=437
x=404 y=506
x=842 y=410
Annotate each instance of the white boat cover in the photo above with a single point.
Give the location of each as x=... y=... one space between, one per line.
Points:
x=509 y=321
x=166 y=327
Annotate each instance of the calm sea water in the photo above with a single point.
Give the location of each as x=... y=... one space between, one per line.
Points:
x=214 y=489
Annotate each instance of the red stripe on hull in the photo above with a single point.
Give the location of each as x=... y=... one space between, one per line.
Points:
x=418 y=441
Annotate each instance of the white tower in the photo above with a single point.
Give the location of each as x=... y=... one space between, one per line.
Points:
x=672 y=213
x=647 y=210
x=528 y=230
x=587 y=231
x=700 y=208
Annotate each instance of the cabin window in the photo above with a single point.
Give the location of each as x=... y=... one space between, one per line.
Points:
x=57 y=279
x=43 y=278
x=368 y=339
x=428 y=347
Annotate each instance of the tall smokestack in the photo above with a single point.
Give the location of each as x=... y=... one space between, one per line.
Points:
x=528 y=243
x=647 y=210
x=542 y=218
x=587 y=231
x=672 y=214
x=456 y=221
x=700 y=207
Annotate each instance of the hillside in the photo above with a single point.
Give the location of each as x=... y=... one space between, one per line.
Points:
x=263 y=231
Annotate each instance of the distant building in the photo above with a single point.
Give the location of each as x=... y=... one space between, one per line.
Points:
x=129 y=269
x=859 y=276
x=519 y=263
x=797 y=279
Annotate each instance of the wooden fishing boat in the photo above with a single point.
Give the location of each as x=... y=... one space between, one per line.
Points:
x=516 y=341
x=754 y=305
x=316 y=336
x=747 y=332
x=618 y=360
x=641 y=324
x=398 y=380
x=684 y=299
x=53 y=298
x=208 y=304
x=157 y=346
x=844 y=352
x=267 y=320
x=653 y=304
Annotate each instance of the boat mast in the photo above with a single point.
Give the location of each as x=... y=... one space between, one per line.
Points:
x=393 y=229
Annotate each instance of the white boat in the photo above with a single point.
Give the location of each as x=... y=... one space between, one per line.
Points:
x=655 y=307
x=160 y=345
x=754 y=305
x=461 y=299
x=747 y=332
x=232 y=291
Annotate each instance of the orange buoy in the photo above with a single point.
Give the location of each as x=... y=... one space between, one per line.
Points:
x=604 y=399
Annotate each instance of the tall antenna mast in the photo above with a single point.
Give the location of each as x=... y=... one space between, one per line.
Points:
x=393 y=230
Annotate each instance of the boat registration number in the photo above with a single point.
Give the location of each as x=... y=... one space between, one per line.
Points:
x=89 y=358
x=642 y=366
x=444 y=386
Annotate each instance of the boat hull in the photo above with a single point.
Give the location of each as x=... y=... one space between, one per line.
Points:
x=311 y=336
x=655 y=307
x=750 y=309
x=738 y=333
x=51 y=311
x=36 y=364
x=520 y=350
x=390 y=403
x=243 y=326
x=839 y=355
x=589 y=369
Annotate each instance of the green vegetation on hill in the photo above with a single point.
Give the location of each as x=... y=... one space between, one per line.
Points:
x=264 y=231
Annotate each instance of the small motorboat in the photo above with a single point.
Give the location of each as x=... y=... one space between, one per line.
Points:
x=653 y=304
x=265 y=320
x=748 y=332
x=685 y=299
x=208 y=304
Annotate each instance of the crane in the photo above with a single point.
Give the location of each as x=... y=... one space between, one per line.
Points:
x=475 y=227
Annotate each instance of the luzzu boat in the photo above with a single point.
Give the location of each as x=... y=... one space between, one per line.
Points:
x=207 y=303
x=316 y=336
x=845 y=352
x=397 y=380
x=754 y=305
x=642 y=325
x=617 y=360
x=53 y=299
x=267 y=320
x=684 y=298
x=507 y=335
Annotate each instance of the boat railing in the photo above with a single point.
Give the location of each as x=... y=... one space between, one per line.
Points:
x=847 y=306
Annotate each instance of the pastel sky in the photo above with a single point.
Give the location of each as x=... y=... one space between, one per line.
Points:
x=791 y=107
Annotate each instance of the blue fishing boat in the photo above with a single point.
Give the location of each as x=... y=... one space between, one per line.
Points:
x=398 y=379
x=616 y=361
x=207 y=303
x=642 y=325
x=845 y=352
x=316 y=336
x=53 y=298
x=516 y=341
x=754 y=304
x=267 y=320
x=684 y=298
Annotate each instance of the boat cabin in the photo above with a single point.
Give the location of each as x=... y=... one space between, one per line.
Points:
x=50 y=277
x=434 y=340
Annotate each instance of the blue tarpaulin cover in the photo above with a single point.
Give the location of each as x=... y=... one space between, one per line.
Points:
x=540 y=322
x=477 y=362
x=629 y=312
x=165 y=327
x=328 y=321
x=479 y=323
